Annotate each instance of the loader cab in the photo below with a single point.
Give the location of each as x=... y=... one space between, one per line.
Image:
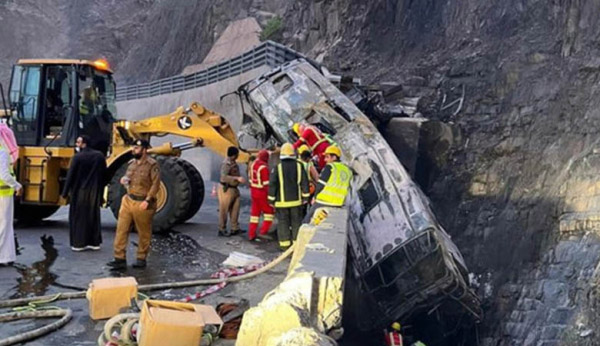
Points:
x=54 y=101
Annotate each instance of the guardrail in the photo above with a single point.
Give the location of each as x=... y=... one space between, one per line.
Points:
x=268 y=53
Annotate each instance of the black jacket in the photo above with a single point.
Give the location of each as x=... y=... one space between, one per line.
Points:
x=286 y=188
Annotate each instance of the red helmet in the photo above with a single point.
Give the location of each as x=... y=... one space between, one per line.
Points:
x=263 y=155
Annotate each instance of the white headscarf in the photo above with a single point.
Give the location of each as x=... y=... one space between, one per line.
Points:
x=8 y=141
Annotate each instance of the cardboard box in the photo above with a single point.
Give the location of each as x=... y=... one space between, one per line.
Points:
x=174 y=323
x=108 y=296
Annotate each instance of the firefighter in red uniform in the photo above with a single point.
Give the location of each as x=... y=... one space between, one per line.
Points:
x=393 y=337
x=259 y=193
x=315 y=139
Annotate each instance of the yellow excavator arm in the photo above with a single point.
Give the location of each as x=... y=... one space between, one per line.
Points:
x=204 y=127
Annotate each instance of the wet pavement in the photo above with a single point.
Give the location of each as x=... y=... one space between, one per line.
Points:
x=46 y=265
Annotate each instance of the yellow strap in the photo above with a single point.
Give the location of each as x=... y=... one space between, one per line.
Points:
x=288 y=204
x=280 y=172
x=299 y=169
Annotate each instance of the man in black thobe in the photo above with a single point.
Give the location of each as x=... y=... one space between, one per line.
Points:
x=85 y=185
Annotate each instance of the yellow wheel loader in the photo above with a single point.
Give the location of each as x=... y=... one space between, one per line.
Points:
x=53 y=101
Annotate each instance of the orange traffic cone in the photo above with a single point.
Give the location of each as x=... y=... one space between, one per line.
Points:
x=214 y=191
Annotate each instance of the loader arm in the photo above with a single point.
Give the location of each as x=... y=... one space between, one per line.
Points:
x=205 y=127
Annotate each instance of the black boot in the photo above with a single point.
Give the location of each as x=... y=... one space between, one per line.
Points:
x=140 y=263
x=117 y=264
x=224 y=233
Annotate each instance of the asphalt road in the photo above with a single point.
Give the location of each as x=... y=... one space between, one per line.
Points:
x=46 y=265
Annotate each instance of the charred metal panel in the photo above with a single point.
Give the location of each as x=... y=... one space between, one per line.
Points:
x=393 y=229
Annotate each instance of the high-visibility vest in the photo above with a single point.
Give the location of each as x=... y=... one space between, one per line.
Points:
x=307 y=166
x=394 y=338
x=255 y=180
x=6 y=190
x=336 y=188
x=311 y=183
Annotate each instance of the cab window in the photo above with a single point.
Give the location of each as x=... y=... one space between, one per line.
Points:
x=24 y=99
x=96 y=104
x=57 y=101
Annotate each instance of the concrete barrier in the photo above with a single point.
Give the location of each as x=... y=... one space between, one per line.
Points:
x=307 y=305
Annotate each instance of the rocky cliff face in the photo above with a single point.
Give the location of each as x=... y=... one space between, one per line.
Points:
x=520 y=194
x=142 y=39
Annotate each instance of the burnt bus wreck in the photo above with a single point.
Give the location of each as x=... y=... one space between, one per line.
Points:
x=402 y=262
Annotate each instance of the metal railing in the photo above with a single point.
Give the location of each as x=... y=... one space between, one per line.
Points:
x=267 y=53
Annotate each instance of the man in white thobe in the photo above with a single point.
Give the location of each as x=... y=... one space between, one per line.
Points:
x=9 y=186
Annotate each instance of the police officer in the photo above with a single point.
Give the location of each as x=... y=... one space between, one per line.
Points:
x=138 y=206
x=229 y=195
x=334 y=182
x=288 y=191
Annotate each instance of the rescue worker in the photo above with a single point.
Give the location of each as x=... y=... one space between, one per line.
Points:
x=311 y=172
x=288 y=191
x=229 y=195
x=138 y=206
x=9 y=186
x=316 y=141
x=259 y=193
x=393 y=337
x=333 y=184
x=309 y=166
x=87 y=101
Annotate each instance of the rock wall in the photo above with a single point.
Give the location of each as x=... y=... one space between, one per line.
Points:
x=142 y=39
x=519 y=194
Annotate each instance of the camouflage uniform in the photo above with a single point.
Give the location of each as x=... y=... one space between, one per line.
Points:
x=229 y=196
x=144 y=181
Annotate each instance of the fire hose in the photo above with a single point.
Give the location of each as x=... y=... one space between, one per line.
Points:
x=64 y=314
x=67 y=313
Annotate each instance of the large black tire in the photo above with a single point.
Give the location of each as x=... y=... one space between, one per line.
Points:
x=116 y=190
x=178 y=194
x=33 y=213
x=197 y=186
